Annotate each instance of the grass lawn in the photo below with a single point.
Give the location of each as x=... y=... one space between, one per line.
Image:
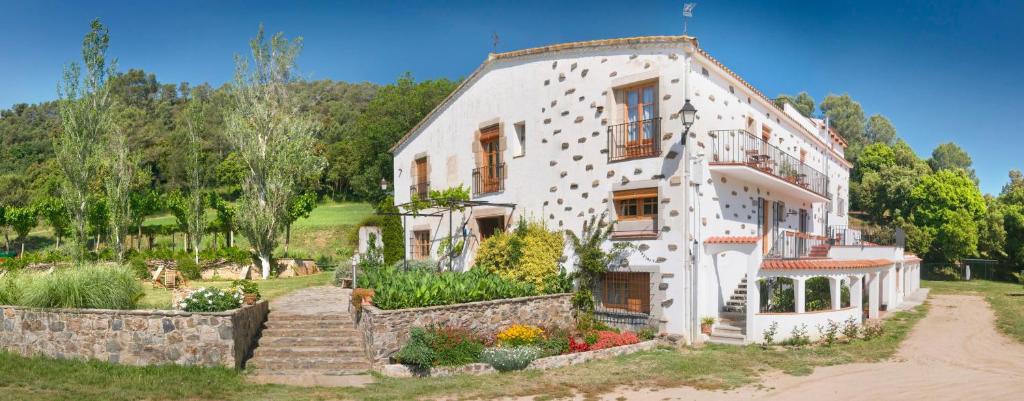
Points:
x=325 y=232
x=1009 y=309
x=160 y=298
x=710 y=367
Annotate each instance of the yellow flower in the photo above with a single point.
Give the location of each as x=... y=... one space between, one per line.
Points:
x=520 y=334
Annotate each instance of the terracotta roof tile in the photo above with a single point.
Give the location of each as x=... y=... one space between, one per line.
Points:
x=822 y=264
x=909 y=257
x=731 y=240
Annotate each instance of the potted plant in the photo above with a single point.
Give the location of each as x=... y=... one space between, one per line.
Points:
x=250 y=291
x=705 y=324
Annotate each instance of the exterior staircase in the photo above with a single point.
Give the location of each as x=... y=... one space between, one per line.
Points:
x=310 y=346
x=731 y=326
x=819 y=251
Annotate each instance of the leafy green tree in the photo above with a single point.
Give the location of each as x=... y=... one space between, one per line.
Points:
x=392 y=113
x=847 y=117
x=274 y=138
x=224 y=220
x=992 y=230
x=144 y=203
x=951 y=156
x=949 y=205
x=803 y=103
x=120 y=168
x=880 y=130
x=4 y=226
x=84 y=110
x=98 y=219
x=23 y=220
x=195 y=211
x=56 y=216
x=299 y=208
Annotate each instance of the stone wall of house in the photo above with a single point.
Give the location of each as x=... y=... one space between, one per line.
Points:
x=385 y=331
x=134 y=337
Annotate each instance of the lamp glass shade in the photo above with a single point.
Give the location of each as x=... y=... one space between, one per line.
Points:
x=689 y=114
x=383 y=184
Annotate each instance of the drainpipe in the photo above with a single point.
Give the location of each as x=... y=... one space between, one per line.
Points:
x=688 y=258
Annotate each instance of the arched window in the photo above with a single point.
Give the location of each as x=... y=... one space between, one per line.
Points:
x=777 y=295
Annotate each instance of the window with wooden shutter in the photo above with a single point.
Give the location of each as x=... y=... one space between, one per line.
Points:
x=636 y=204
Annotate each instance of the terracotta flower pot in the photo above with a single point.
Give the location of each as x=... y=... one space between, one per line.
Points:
x=249 y=299
x=365 y=295
x=705 y=328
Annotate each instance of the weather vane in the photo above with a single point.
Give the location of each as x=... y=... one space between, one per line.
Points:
x=687 y=13
x=495 y=40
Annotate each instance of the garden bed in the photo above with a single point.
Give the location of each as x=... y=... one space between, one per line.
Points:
x=551 y=362
x=384 y=331
x=134 y=337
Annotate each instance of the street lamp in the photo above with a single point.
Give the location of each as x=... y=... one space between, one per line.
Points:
x=689 y=115
x=384 y=184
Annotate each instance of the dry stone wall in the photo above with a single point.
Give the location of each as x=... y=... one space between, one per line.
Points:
x=385 y=331
x=136 y=337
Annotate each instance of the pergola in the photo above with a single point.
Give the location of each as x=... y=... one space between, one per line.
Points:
x=438 y=208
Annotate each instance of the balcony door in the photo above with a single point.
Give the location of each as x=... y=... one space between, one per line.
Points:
x=640 y=113
x=490 y=169
x=422 y=184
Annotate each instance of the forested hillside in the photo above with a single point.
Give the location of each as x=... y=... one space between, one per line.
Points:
x=351 y=116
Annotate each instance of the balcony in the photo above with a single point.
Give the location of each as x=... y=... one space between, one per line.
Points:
x=634 y=140
x=750 y=158
x=420 y=190
x=488 y=179
x=789 y=244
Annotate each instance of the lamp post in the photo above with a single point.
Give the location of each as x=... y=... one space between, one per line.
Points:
x=689 y=115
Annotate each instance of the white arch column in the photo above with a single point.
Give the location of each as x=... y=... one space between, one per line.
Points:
x=835 y=287
x=874 y=294
x=800 y=291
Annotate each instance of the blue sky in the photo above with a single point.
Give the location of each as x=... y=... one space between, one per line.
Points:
x=941 y=71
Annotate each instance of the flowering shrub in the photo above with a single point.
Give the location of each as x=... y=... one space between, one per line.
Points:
x=440 y=346
x=514 y=358
x=520 y=334
x=602 y=339
x=608 y=339
x=211 y=300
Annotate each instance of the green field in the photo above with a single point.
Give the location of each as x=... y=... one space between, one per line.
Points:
x=326 y=232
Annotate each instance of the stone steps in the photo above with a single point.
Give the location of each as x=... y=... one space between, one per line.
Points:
x=728 y=338
x=347 y=341
x=309 y=352
x=352 y=363
x=310 y=339
x=310 y=324
x=290 y=332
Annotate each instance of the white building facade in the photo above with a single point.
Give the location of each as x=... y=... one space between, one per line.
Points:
x=757 y=194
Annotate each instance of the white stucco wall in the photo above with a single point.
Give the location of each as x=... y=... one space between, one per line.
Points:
x=566 y=101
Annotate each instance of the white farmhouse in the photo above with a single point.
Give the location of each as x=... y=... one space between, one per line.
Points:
x=750 y=193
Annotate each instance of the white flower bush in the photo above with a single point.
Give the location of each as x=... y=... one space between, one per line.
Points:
x=505 y=359
x=212 y=300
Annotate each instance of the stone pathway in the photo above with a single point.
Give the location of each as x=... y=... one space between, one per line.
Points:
x=310 y=339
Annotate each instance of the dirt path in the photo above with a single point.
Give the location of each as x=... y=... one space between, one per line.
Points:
x=954 y=353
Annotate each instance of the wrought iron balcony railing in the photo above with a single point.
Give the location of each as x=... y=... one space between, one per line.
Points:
x=739 y=147
x=420 y=190
x=489 y=179
x=634 y=140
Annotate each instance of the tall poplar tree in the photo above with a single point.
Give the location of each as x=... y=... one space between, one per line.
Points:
x=84 y=104
x=273 y=136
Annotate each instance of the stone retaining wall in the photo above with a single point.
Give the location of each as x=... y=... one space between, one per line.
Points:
x=385 y=331
x=134 y=337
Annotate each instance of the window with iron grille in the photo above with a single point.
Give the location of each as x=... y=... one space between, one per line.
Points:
x=625 y=292
x=421 y=244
